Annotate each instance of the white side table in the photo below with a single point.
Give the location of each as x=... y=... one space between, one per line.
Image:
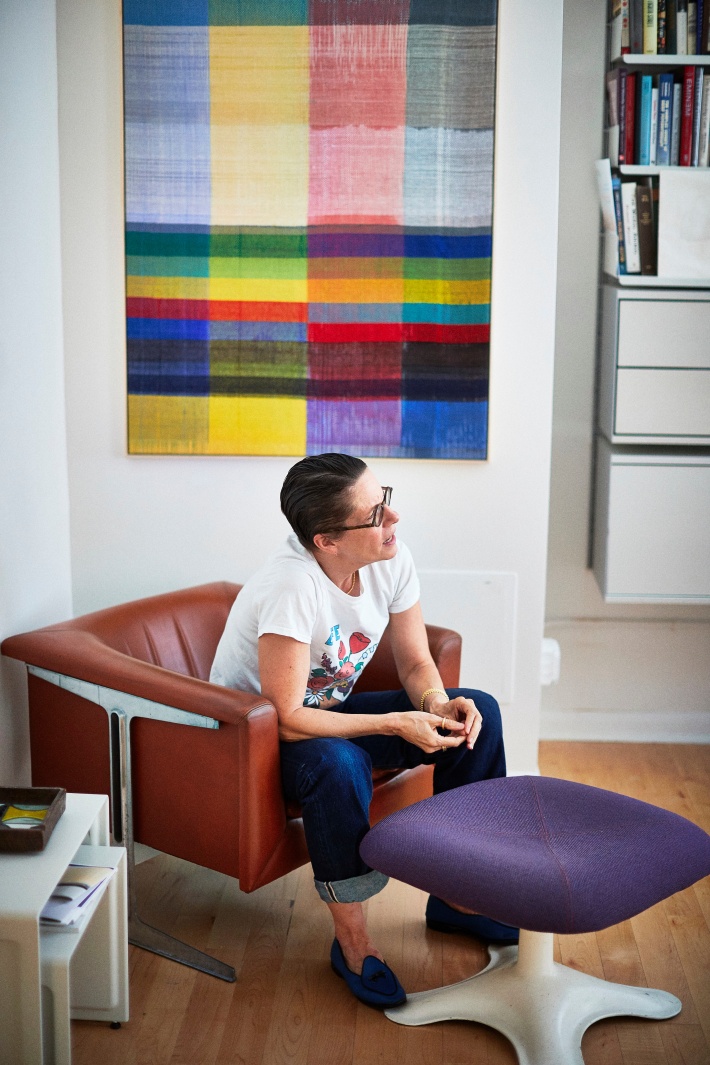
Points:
x=49 y=975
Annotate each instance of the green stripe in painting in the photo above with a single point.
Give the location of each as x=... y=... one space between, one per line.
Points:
x=167 y=266
x=292 y=269
x=241 y=358
x=258 y=12
x=184 y=244
x=447 y=269
x=259 y=245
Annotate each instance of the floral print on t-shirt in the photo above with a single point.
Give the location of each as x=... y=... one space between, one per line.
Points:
x=339 y=668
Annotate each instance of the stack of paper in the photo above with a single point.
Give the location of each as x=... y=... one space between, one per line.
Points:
x=67 y=903
x=684 y=224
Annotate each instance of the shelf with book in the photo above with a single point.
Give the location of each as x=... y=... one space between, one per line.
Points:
x=659 y=28
x=651 y=281
x=676 y=60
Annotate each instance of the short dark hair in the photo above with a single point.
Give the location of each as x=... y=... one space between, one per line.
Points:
x=315 y=496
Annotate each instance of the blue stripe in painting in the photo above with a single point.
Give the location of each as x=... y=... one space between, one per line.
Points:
x=447 y=313
x=453 y=12
x=161 y=384
x=166 y=329
x=444 y=430
x=355 y=312
x=165 y=12
x=438 y=246
x=290 y=331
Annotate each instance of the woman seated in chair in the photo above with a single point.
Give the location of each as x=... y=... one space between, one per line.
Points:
x=301 y=632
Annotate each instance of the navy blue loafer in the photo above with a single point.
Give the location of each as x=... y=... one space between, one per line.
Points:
x=376 y=986
x=443 y=918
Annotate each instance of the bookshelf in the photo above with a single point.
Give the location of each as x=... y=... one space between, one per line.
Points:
x=652 y=453
x=50 y=975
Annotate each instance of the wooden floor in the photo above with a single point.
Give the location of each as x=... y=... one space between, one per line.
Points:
x=288 y=1007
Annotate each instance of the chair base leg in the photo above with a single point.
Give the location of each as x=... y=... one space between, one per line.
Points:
x=542 y=1007
x=144 y=935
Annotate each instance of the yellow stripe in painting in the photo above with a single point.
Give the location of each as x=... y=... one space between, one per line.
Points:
x=447 y=291
x=168 y=425
x=259 y=75
x=168 y=288
x=259 y=175
x=269 y=289
x=350 y=290
x=257 y=425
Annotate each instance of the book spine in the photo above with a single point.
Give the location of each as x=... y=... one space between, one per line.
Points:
x=653 y=139
x=630 y=130
x=661 y=27
x=650 y=27
x=623 y=78
x=612 y=96
x=625 y=28
x=672 y=27
x=700 y=6
x=675 y=123
x=665 y=102
x=644 y=139
x=705 y=32
x=697 y=108
x=631 y=232
x=686 y=118
x=618 y=211
x=681 y=28
x=636 y=26
x=704 y=151
x=615 y=33
x=647 y=239
x=692 y=26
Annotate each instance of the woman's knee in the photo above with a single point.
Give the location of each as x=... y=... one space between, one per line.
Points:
x=488 y=707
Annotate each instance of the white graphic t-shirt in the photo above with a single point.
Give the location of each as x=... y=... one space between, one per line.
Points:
x=291 y=596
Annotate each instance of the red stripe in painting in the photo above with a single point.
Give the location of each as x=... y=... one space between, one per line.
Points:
x=345 y=333
x=446 y=334
x=216 y=310
x=430 y=332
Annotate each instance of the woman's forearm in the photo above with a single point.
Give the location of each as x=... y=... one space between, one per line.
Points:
x=307 y=723
x=422 y=678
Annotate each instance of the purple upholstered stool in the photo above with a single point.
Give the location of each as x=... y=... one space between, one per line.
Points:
x=550 y=856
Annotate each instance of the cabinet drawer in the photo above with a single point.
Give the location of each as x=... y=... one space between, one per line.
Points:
x=651 y=527
x=673 y=333
x=662 y=403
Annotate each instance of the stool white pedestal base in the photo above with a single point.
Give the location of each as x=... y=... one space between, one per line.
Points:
x=543 y=1008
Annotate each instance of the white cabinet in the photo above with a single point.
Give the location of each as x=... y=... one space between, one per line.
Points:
x=655 y=366
x=50 y=975
x=652 y=525
x=652 y=491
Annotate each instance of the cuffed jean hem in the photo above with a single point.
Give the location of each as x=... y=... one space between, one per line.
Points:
x=354 y=889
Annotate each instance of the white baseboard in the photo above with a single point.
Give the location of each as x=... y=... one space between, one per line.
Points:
x=626 y=726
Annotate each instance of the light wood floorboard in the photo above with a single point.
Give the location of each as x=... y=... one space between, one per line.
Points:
x=288 y=1008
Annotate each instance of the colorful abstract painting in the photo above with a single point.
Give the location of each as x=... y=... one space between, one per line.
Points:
x=308 y=215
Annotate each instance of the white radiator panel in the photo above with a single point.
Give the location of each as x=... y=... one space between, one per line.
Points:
x=483 y=608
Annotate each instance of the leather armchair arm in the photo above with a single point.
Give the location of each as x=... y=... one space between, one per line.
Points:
x=77 y=653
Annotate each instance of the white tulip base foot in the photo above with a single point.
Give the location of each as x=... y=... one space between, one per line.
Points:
x=542 y=1007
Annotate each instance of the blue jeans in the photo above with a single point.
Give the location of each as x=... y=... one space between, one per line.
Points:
x=331 y=780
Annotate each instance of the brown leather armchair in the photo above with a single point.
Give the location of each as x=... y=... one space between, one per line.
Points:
x=171 y=747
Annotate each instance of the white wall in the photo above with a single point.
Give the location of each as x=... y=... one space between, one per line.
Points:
x=35 y=585
x=628 y=672
x=146 y=524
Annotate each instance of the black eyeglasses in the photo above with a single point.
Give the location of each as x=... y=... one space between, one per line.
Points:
x=377 y=514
